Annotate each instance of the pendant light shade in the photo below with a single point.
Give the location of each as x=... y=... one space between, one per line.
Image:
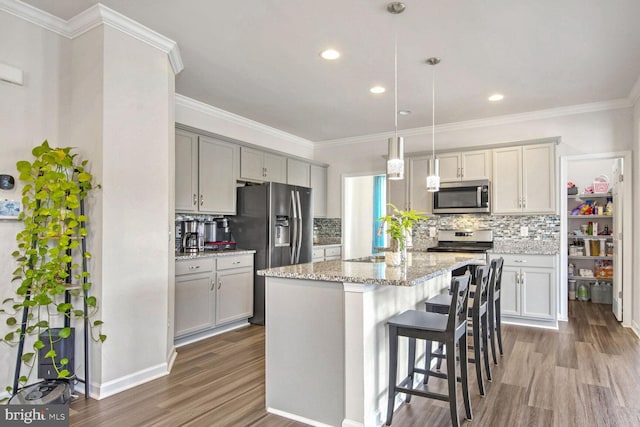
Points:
x=395 y=155
x=433 y=177
x=395 y=160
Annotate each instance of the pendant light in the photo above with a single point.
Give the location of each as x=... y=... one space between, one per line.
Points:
x=433 y=177
x=395 y=158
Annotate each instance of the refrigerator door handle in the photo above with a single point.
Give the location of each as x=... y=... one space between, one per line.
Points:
x=294 y=239
x=300 y=229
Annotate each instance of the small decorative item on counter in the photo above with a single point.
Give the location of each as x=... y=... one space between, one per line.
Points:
x=571 y=188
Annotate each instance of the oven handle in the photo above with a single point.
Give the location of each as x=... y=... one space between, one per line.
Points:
x=479 y=196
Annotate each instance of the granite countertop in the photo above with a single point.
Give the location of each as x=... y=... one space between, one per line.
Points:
x=526 y=247
x=418 y=268
x=327 y=242
x=209 y=254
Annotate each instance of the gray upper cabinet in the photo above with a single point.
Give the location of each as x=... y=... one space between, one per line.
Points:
x=206 y=173
x=217 y=168
x=260 y=166
x=318 y=178
x=523 y=179
x=186 y=171
x=298 y=173
x=465 y=165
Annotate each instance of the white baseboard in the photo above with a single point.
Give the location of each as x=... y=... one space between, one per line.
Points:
x=172 y=358
x=635 y=327
x=296 y=418
x=543 y=324
x=179 y=342
x=351 y=423
x=126 y=382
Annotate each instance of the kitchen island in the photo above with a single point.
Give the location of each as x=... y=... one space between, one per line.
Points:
x=326 y=335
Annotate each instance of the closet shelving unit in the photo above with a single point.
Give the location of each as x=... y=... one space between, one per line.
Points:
x=580 y=239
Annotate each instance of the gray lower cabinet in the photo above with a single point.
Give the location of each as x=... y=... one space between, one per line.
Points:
x=326 y=253
x=234 y=289
x=212 y=291
x=194 y=295
x=528 y=293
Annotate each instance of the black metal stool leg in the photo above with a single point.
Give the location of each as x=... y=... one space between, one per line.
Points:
x=477 y=356
x=411 y=366
x=499 y=326
x=492 y=332
x=464 y=374
x=427 y=361
x=452 y=382
x=393 y=369
x=485 y=346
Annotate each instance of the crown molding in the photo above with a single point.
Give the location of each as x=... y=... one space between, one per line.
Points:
x=490 y=121
x=634 y=95
x=35 y=16
x=217 y=113
x=92 y=17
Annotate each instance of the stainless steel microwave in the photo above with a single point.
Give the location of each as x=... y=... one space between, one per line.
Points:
x=463 y=197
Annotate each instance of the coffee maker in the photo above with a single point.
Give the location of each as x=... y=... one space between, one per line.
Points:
x=192 y=235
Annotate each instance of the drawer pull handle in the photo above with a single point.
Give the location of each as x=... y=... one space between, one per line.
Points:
x=193 y=267
x=520 y=260
x=236 y=262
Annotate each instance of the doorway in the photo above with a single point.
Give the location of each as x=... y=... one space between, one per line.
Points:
x=364 y=198
x=614 y=264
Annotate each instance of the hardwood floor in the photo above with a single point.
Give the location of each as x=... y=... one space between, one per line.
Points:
x=585 y=374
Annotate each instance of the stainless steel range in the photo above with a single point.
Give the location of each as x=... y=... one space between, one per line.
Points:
x=470 y=241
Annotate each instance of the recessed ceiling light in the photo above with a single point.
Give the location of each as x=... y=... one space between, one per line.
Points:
x=330 y=54
x=377 y=89
x=404 y=112
x=496 y=97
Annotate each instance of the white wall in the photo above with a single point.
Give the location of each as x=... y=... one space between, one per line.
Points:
x=358 y=223
x=636 y=222
x=595 y=132
x=28 y=115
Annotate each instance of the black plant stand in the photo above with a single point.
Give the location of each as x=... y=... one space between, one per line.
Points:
x=67 y=319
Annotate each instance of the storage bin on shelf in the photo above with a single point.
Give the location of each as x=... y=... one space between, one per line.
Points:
x=601 y=293
x=601 y=184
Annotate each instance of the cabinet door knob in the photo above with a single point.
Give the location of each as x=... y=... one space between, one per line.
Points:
x=195 y=199
x=213 y=284
x=461 y=172
x=219 y=284
x=201 y=200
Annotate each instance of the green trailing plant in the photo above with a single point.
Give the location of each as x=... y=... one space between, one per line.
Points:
x=399 y=224
x=55 y=182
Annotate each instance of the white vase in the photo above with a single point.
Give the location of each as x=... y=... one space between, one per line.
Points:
x=393 y=259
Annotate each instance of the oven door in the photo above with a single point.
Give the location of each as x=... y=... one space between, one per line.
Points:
x=463 y=197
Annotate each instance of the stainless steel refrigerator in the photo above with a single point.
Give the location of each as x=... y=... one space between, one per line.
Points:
x=277 y=221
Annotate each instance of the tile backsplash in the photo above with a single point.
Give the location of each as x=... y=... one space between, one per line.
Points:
x=329 y=229
x=505 y=227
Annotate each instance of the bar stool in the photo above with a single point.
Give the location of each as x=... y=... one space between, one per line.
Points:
x=495 y=324
x=478 y=314
x=450 y=328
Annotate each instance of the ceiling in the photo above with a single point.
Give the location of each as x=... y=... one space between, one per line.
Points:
x=260 y=58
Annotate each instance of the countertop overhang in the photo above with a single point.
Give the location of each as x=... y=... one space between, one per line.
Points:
x=419 y=267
